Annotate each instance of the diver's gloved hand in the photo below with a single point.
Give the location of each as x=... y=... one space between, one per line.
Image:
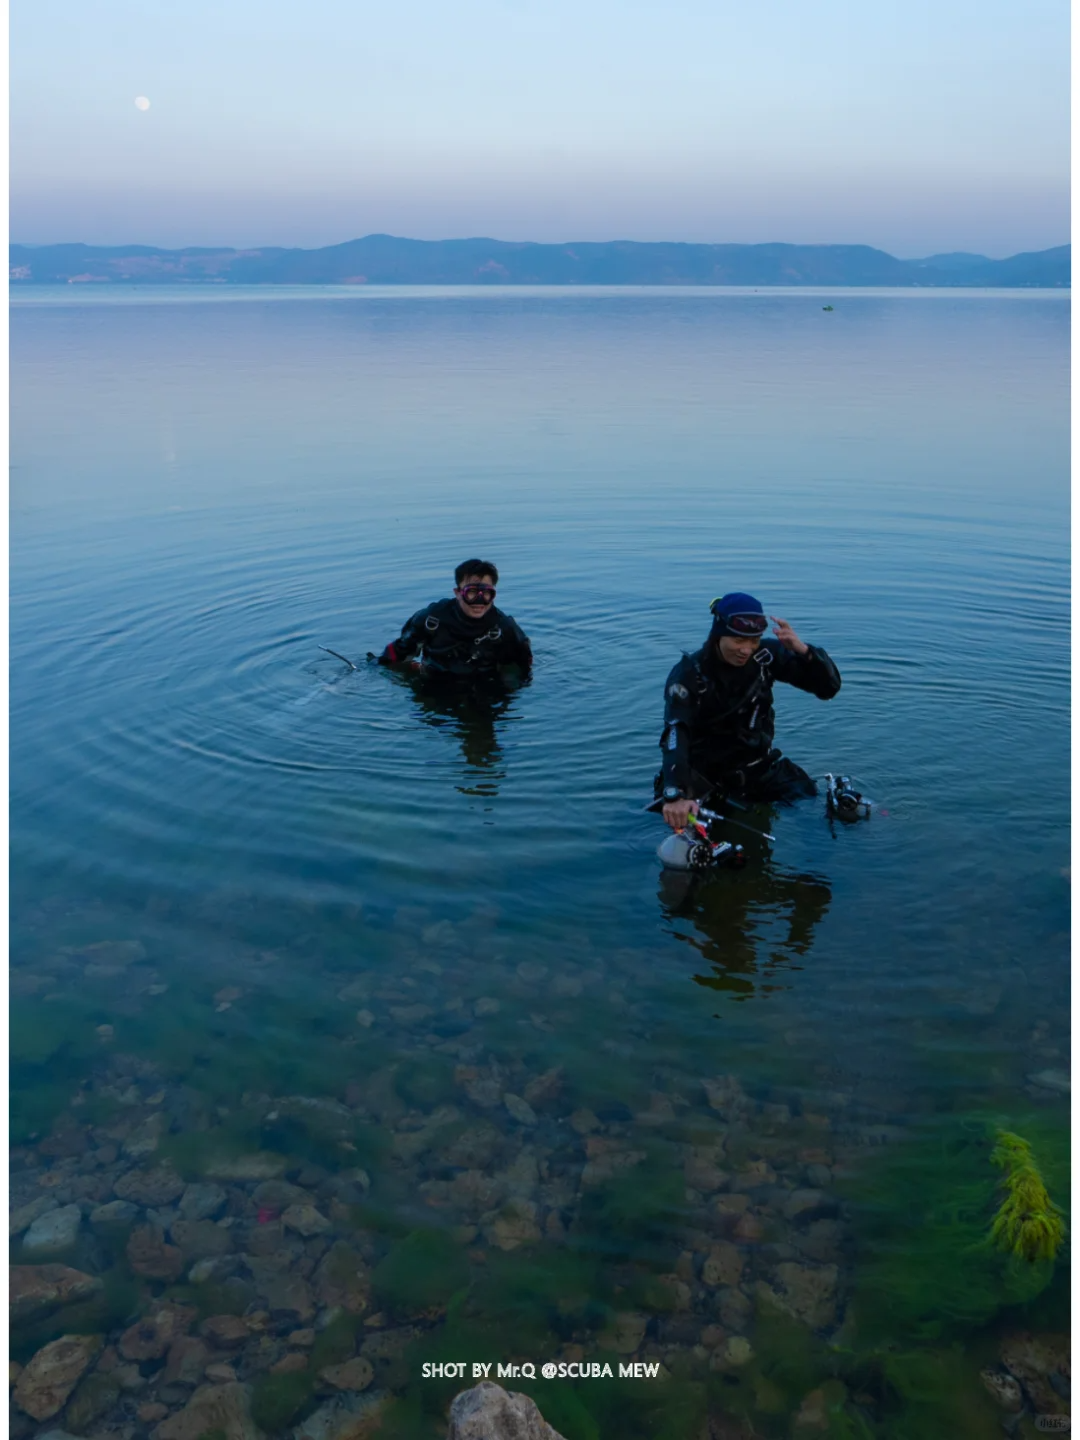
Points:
x=677 y=812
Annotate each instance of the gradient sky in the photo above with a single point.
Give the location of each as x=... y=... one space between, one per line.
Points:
x=920 y=126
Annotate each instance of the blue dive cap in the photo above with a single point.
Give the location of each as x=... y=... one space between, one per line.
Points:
x=738 y=614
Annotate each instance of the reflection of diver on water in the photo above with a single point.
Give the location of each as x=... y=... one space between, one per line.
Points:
x=735 y=918
x=474 y=712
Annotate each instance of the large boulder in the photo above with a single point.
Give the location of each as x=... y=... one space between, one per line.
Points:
x=488 y=1412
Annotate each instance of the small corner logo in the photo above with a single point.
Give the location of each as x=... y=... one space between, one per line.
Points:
x=1053 y=1424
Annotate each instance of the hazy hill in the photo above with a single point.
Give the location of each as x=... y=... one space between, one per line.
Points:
x=390 y=260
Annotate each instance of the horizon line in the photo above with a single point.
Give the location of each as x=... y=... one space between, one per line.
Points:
x=461 y=239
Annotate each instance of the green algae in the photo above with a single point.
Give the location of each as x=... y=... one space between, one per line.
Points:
x=277 y=1400
x=927 y=1269
x=421 y=1273
x=1028 y=1225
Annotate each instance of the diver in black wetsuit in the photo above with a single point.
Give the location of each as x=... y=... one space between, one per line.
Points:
x=466 y=636
x=718 y=713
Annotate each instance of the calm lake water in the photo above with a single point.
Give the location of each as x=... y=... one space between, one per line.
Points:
x=264 y=846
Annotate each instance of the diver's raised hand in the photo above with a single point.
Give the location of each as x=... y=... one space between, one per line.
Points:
x=677 y=812
x=787 y=637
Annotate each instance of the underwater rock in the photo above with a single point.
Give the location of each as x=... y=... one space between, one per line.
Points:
x=474 y=1191
x=823 y=1241
x=306 y=1221
x=22 y=1218
x=723 y=1266
x=545 y=1089
x=488 y=1412
x=278 y=1195
x=53 y=1231
x=749 y=1228
x=225 y=1332
x=152 y=1335
x=520 y=1109
x=523 y=1176
x=348 y=1416
x=288 y=1297
x=258 y=1165
x=151 y=1188
x=678 y=1295
x=483 y=1087
x=1035 y=1360
x=812 y=1416
x=411 y=1014
x=513 y=1226
x=735 y=1352
x=36 y=1290
x=118 y=953
x=150 y=1412
x=114 y=1214
x=386 y=1345
x=49 y=1378
x=186 y=1361
x=200 y=1239
x=802 y=1206
x=213 y=1408
x=624 y=1333
x=408 y=1145
x=584 y=1122
x=701 y=1171
x=1004 y=1389
x=734 y=1310
x=150 y=1256
x=204 y=1201
x=145 y=1138
x=607 y=1158
x=725 y=1095
x=95 y=1396
x=661 y=1111
x=220 y=1373
x=756 y=1174
x=354 y=1374
x=728 y=1209
x=343 y=1280
x=291 y=1364
x=806 y=1292
x=477 y=1146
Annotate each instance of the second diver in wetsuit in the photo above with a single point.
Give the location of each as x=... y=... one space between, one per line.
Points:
x=719 y=721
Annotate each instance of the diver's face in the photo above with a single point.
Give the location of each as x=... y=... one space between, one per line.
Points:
x=737 y=649
x=476 y=595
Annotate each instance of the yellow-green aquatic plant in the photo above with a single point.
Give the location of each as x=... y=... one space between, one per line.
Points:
x=1028 y=1224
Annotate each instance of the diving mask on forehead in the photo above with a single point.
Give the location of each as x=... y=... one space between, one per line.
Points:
x=740 y=620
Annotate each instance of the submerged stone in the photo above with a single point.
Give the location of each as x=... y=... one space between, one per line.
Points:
x=44 y=1385
x=488 y=1412
x=53 y=1231
x=36 y=1290
x=223 y=1409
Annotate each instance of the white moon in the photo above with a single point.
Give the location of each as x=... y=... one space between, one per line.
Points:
x=141 y=102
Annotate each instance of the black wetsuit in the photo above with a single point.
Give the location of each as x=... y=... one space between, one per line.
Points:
x=719 y=723
x=449 y=642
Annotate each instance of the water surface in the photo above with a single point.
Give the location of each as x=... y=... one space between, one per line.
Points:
x=209 y=485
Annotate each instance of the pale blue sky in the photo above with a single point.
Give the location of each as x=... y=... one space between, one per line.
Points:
x=919 y=126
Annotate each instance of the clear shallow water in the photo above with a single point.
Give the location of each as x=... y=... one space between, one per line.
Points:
x=205 y=490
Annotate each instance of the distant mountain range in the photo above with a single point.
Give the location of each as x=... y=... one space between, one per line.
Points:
x=388 y=260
